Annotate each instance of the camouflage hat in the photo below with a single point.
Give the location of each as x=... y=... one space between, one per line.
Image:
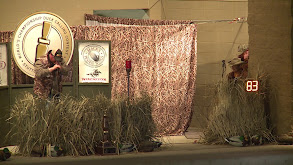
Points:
x=235 y=61
x=57 y=55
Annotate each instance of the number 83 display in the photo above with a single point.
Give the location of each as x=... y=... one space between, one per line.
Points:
x=252 y=86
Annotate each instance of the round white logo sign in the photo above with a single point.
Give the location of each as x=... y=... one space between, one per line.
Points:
x=36 y=35
x=94 y=55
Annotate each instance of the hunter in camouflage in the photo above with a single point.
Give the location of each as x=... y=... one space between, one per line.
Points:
x=48 y=74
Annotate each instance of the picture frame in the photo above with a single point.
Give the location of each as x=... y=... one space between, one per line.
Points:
x=94 y=62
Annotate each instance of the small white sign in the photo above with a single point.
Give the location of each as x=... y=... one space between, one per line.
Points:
x=3 y=65
x=94 y=58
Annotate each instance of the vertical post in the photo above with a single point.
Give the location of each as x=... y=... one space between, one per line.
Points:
x=75 y=73
x=9 y=82
x=128 y=75
x=128 y=69
x=105 y=128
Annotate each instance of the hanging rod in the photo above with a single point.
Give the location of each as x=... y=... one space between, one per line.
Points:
x=236 y=20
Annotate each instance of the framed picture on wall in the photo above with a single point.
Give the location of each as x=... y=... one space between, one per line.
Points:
x=3 y=65
x=94 y=61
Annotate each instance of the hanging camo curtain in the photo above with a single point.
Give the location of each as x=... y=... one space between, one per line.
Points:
x=163 y=55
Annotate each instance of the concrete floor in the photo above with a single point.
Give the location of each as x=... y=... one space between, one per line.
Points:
x=178 y=154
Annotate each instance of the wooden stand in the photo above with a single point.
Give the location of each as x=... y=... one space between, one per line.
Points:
x=106 y=147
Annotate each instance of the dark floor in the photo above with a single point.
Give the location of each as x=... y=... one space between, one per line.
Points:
x=179 y=154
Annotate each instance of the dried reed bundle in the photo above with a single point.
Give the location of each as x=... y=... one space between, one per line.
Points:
x=28 y=122
x=238 y=112
x=82 y=126
x=76 y=124
x=142 y=118
x=132 y=120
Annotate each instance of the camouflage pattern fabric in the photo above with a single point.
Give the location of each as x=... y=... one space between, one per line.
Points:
x=46 y=81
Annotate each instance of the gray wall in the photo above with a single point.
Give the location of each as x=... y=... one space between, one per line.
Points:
x=270 y=24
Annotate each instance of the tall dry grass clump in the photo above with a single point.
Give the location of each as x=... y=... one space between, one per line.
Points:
x=76 y=125
x=132 y=120
x=238 y=112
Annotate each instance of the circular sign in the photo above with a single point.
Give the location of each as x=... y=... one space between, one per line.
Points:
x=36 y=35
x=93 y=55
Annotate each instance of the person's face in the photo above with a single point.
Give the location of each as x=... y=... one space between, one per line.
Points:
x=52 y=58
x=246 y=55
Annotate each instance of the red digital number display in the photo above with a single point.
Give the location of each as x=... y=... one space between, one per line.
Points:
x=252 y=86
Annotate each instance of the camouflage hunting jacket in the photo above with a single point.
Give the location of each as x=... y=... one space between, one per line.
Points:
x=47 y=82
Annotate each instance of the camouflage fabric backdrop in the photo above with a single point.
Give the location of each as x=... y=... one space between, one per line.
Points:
x=163 y=63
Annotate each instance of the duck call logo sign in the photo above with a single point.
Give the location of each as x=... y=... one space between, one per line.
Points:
x=94 y=59
x=38 y=33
